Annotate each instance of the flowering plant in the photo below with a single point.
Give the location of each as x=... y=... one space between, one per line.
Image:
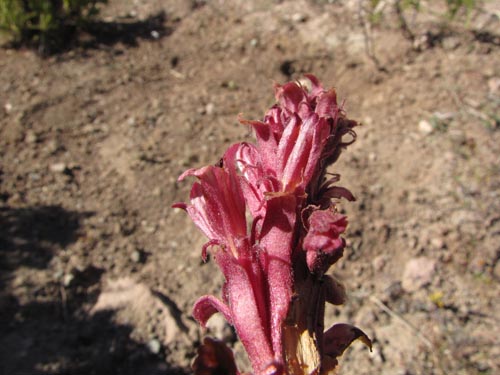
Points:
x=274 y=231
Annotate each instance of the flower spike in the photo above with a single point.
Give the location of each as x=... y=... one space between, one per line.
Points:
x=274 y=232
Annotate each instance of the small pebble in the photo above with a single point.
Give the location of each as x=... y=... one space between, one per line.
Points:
x=58 y=274
x=31 y=137
x=68 y=279
x=154 y=346
x=368 y=121
x=437 y=243
x=209 y=108
x=131 y=121
x=52 y=146
x=58 y=167
x=299 y=17
x=156 y=191
x=136 y=256
x=425 y=127
x=418 y=273
x=378 y=262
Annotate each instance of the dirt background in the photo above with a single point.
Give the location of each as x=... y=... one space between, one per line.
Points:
x=98 y=274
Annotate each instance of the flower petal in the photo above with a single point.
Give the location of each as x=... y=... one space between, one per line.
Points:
x=214 y=358
x=334 y=290
x=206 y=306
x=254 y=181
x=290 y=96
x=322 y=242
x=316 y=87
x=338 y=338
x=338 y=192
x=276 y=238
x=267 y=142
x=218 y=205
x=242 y=293
x=300 y=151
x=326 y=105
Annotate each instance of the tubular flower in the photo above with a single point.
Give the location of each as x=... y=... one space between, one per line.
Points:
x=274 y=231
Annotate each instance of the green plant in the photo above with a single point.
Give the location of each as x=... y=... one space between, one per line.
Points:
x=454 y=6
x=375 y=11
x=400 y=6
x=12 y=17
x=44 y=23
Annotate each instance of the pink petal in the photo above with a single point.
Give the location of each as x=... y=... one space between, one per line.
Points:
x=244 y=294
x=253 y=182
x=296 y=161
x=325 y=228
x=316 y=87
x=218 y=205
x=303 y=161
x=327 y=104
x=318 y=142
x=286 y=145
x=322 y=242
x=266 y=141
x=290 y=95
x=276 y=238
x=206 y=306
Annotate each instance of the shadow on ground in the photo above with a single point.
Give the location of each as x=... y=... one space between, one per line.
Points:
x=45 y=326
x=52 y=338
x=29 y=236
x=96 y=34
x=127 y=32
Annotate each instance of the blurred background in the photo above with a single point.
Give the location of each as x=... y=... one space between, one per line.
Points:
x=103 y=104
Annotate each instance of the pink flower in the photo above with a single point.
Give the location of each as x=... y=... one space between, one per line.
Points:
x=218 y=209
x=323 y=243
x=273 y=230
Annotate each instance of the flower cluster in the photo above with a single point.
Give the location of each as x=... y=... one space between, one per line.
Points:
x=274 y=231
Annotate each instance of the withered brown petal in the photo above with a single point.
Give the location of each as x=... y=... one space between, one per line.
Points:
x=301 y=354
x=214 y=358
x=334 y=290
x=340 y=336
